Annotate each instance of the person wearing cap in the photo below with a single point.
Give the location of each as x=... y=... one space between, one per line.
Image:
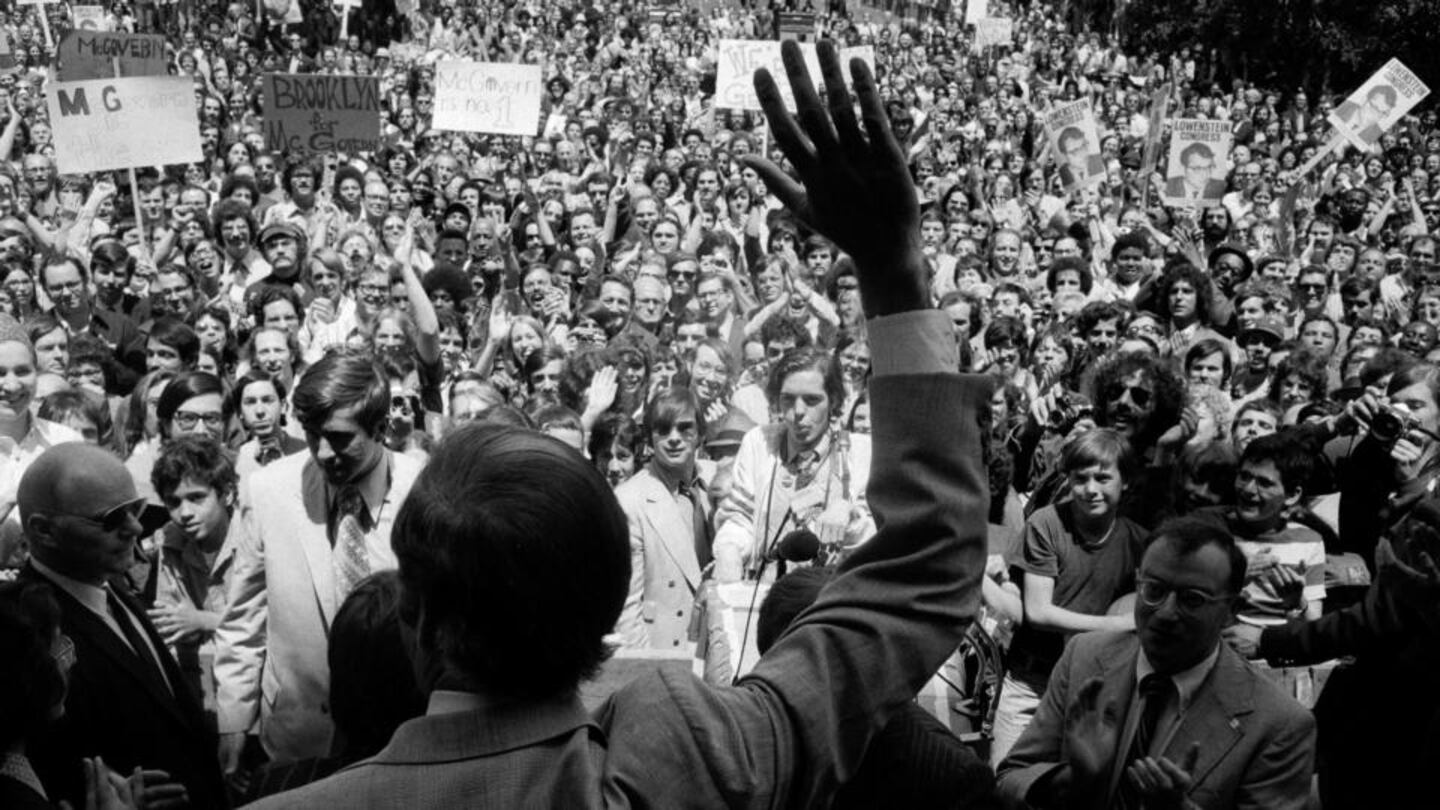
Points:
x=1252 y=380
x=282 y=243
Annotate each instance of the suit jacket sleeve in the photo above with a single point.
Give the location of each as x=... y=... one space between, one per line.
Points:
x=631 y=627
x=1279 y=776
x=898 y=605
x=1040 y=750
x=1370 y=624
x=240 y=638
x=735 y=517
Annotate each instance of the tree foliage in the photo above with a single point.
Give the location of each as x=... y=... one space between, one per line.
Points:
x=1325 y=46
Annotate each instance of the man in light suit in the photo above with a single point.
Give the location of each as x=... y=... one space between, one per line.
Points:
x=669 y=541
x=1169 y=716
x=515 y=561
x=309 y=527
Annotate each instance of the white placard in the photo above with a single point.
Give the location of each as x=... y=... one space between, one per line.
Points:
x=495 y=97
x=976 y=10
x=107 y=124
x=1199 y=161
x=994 y=31
x=740 y=58
x=1075 y=144
x=90 y=18
x=1378 y=103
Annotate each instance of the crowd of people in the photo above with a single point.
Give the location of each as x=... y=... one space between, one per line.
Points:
x=250 y=406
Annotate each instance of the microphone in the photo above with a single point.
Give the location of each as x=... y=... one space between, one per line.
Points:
x=801 y=545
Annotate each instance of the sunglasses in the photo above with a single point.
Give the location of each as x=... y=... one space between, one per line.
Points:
x=114 y=518
x=1139 y=396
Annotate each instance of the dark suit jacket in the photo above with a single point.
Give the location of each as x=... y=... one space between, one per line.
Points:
x=800 y=722
x=114 y=711
x=1257 y=744
x=1214 y=189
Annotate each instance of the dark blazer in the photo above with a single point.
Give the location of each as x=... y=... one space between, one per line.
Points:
x=800 y=722
x=114 y=711
x=16 y=795
x=1257 y=744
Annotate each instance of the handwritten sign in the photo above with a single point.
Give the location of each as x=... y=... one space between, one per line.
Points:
x=1377 y=104
x=1199 y=161
x=493 y=97
x=975 y=11
x=313 y=113
x=107 y=124
x=92 y=54
x=740 y=58
x=1075 y=144
x=994 y=31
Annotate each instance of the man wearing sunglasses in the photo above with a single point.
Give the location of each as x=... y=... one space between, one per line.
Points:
x=1167 y=716
x=128 y=701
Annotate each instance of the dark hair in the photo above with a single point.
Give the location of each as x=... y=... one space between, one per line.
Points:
x=372 y=681
x=1293 y=458
x=198 y=458
x=1214 y=463
x=184 y=387
x=667 y=406
x=1205 y=348
x=1310 y=367
x=178 y=335
x=1097 y=312
x=249 y=378
x=780 y=329
x=787 y=599
x=227 y=210
x=31 y=684
x=1169 y=392
x=810 y=359
x=269 y=294
x=339 y=380
x=1074 y=265
x=1192 y=534
x=1196 y=278
x=518 y=555
x=611 y=429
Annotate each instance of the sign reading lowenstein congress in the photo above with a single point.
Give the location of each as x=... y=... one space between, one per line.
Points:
x=310 y=113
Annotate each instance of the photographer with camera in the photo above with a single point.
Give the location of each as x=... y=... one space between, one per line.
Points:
x=1395 y=462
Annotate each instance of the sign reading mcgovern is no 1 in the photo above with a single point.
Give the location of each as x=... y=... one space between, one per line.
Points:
x=315 y=114
x=494 y=97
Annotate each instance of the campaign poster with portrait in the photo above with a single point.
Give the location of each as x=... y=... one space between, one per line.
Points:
x=1075 y=144
x=1199 y=162
x=1378 y=104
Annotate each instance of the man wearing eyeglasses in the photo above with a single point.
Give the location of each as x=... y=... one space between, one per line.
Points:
x=127 y=700
x=1168 y=716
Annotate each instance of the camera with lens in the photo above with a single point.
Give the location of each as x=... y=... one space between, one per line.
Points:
x=1069 y=409
x=1391 y=424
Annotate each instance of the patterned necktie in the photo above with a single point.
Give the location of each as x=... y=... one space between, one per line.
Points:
x=348 y=555
x=1155 y=691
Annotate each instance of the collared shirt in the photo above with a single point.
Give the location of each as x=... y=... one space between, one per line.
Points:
x=93 y=597
x=1187 y=682
x=15 y=459
x=373 y=488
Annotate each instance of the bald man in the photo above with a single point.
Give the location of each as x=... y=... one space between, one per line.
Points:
x=127 y=701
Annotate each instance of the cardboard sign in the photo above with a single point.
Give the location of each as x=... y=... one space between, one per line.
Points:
x=495 y=97
x=107 y=124
x=975 y=11
x=90 y=18
x=1199 y=161
x=1378 y=104
x=312 y=113
x=92 y=55
x=1075 y=144
x=740 y=58
x=994 y=31
x=796 y=25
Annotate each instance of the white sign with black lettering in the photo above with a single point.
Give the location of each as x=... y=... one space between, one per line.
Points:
x=106 y=124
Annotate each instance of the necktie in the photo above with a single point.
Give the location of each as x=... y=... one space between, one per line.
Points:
x=700 y=522
x=348 y=554
x=1155 y=691
x=269 y=451
x=149 y=667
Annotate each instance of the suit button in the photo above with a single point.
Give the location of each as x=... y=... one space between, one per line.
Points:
x=324 y=708
x=680 y=613
x=672 y=583
x=675 y=643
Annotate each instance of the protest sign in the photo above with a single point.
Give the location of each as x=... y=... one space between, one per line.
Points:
x=90 y=18
x=740 y=58
x=1075 y=144
x=1199 y=161
x=44 y=17
x=105 y=124
x=493 y=97
x=994 y=31
x=93 y=54
x=315 y=113
x=976 y=10
x=1378 y=103
x=796 y=25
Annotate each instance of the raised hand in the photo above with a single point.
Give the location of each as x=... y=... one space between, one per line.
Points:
x=855 y=186
x=1091 y=731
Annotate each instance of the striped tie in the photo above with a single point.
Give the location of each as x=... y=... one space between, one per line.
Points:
x=1155 y=691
